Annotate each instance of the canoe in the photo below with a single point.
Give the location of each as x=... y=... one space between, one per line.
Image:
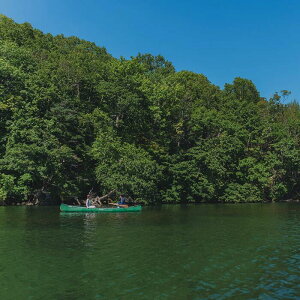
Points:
x=73 y=208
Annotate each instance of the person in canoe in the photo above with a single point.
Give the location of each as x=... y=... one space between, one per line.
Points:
x=122 y=202
x=88 y=202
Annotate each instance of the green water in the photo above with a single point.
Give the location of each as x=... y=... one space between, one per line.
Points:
x=248 y=251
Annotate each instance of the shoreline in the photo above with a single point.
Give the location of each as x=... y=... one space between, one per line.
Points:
x=163 y=203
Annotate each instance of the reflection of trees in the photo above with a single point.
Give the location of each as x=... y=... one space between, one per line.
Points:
x=54 y=253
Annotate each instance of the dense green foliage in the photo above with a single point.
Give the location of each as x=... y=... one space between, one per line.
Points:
x=73 y=117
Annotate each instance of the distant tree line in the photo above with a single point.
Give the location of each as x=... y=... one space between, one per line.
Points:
x=72 y=118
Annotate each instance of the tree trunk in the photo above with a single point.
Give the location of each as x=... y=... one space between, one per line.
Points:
x=98 y=200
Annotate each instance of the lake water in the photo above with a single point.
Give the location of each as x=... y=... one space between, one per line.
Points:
x=247 y=251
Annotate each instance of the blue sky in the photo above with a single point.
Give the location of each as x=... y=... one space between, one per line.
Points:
x=257 y=39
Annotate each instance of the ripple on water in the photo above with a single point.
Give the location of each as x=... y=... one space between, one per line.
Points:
x=172 y=252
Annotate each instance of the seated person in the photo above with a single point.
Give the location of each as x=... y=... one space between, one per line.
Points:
x=122 y=200
x=121 y=203
x=88 y=203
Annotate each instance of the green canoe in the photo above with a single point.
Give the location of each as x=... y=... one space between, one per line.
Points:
x=72 y=208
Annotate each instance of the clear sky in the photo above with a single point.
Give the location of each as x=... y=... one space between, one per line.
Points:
x=254 y=39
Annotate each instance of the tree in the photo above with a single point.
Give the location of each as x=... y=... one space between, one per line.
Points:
x=72 y=118
x=125 y=167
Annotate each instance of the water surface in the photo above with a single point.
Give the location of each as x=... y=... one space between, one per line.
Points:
x=247 y=251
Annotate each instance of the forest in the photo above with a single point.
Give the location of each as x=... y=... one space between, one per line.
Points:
x=74 y=118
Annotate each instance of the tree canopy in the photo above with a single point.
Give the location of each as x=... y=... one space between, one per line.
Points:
x=72 y=118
